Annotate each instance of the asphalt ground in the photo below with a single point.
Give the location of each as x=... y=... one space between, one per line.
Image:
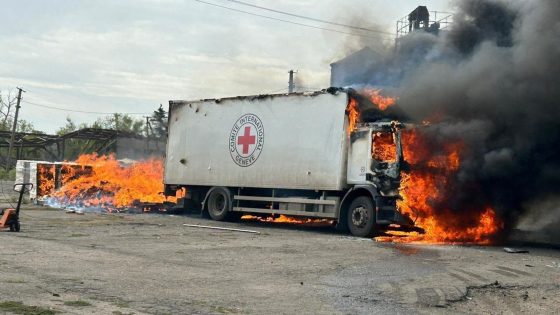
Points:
x=153 y=264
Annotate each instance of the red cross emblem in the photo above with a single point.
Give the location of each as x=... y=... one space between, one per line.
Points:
x=246 y=140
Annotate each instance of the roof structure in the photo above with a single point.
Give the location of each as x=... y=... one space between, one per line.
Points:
x=29 y=140
x=28 y=145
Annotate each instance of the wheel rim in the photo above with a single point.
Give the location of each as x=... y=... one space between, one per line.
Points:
x=218 y=204
x=359 y=216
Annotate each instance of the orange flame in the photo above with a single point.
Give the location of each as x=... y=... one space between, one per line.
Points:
x=384 y=148
x=374 y=95
x=46 y=174
x=425 y=185
x=285 y=219
x=353 y=113
x=111 y=185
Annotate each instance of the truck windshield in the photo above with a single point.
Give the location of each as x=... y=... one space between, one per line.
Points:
x=383 y=147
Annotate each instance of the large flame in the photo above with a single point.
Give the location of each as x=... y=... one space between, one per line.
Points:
x=110 y=184
x=425 y=190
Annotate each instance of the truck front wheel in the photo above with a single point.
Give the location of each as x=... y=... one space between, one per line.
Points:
x=219 y=204
x=361 y=217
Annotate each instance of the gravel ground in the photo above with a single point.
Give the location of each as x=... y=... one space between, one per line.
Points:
x=152 y=264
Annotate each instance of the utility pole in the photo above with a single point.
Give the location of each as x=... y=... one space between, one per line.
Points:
x=291 y=84
x=148 y=127
x=147 y=131
x=14 y=127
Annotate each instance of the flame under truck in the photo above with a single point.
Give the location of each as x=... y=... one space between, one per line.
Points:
x=289 y=154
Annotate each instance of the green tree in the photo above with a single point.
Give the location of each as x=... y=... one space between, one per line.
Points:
x=68 y=127
x=159 y=122
x=120 y=122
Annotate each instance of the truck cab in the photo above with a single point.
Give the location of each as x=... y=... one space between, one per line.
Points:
x=375 y=160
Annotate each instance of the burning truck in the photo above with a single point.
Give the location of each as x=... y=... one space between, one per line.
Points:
x=303 y=155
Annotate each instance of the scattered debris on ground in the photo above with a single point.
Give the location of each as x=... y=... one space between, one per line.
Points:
x=515 y=250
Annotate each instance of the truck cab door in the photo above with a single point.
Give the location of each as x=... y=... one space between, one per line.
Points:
x=359 y=156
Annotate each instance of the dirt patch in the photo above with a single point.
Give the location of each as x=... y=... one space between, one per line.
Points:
x=77 y=303
x=509 y=299
x=16 y=307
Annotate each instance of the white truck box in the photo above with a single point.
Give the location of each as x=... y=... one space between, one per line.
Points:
x=278 y=141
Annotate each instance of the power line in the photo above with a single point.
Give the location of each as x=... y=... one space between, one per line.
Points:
x=81 y=111
x=290 y=22
x=310 y=18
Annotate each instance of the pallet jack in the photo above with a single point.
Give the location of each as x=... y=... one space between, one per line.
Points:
x=10 y=216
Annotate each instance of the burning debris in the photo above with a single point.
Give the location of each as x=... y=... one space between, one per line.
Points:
x=47 y=176
x=104 y=183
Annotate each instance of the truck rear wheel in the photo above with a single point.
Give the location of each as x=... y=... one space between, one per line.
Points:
x=361 y=217
x=219 y=204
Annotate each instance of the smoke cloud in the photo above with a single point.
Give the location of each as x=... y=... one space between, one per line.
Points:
x=492 y=81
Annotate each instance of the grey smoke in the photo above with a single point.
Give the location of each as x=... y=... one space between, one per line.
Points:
x=540 y=222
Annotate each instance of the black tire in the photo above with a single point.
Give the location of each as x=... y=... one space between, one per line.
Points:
x=17 y=226
x=342 y=224
x=361 y=217
x=218 y=204
x=12 y=227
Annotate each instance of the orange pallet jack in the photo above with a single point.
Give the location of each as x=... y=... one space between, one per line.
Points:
x=10 y=216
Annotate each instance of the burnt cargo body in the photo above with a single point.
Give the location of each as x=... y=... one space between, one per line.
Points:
x=290 y=154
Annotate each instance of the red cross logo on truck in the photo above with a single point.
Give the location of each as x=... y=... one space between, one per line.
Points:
x=246 y=140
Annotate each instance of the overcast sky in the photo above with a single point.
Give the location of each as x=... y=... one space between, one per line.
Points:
x=132 y=55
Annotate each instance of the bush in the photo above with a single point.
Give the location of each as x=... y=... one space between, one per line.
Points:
x=7 y=174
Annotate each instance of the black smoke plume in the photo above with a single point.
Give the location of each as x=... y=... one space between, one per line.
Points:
x=493 y=82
